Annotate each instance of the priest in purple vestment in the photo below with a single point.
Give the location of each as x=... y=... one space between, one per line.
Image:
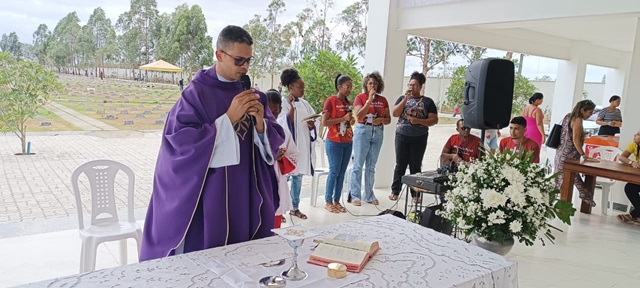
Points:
x=214 y=182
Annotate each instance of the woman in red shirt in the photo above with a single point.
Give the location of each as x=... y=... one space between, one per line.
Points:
x=338 y=118
x=372 y=112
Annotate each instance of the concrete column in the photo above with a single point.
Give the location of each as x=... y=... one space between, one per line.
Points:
x=614 y=84
x=385 y=52
x=629 y=107
x=568 y=90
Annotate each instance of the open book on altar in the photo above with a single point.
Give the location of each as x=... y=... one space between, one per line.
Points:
x=352 y=251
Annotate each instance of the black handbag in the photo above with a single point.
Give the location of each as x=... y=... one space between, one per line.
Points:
x=553 y=141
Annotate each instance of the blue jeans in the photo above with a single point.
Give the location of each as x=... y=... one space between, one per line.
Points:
x=338 y=155
x=367 y=141
x=296 y=185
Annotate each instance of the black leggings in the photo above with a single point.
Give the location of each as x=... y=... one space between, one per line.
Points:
x=633 y=193
x=409 y=151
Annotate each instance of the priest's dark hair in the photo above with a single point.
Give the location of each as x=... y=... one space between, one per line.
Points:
x=519 y=120
x=341 y=79
x=233 y=34
x=418 y=76
x=273 y=96
x=289 y=76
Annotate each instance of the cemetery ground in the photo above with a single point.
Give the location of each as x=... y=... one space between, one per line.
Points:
x=123 y=104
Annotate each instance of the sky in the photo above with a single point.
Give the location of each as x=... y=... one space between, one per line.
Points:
x=24 y=18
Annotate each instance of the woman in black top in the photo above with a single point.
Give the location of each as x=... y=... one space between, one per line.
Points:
x=416 y=114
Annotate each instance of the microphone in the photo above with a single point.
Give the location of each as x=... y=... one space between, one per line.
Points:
x=349 y=109
x=245 y=80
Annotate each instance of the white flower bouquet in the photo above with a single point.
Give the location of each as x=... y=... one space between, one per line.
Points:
x=503 y=196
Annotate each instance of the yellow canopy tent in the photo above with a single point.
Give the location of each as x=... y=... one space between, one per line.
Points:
x=162 y=66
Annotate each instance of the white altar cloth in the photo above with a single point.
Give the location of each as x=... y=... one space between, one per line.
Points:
x=410 y=256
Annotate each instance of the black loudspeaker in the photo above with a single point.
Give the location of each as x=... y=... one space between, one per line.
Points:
x=488 y=93
x=429 y=219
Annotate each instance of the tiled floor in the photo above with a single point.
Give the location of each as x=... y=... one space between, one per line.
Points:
x=596 y=251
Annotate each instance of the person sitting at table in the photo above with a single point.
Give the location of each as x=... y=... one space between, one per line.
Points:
x=571 y=142
x=632 y=189
x=517 y=141
x=461 y=147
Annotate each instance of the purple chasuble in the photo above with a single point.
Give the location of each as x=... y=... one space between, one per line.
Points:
x=209 y=207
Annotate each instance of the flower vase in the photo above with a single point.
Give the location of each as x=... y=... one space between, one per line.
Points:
x=494 y=246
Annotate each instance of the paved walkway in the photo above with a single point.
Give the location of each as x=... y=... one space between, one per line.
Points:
x=36 y=194
x=78 y=119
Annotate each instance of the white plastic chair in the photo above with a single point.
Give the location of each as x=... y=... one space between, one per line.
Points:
x=105 y=225
x=319 y=171
x=606 y=153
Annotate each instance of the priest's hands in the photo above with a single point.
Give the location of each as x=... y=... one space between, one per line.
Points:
x=240 y=104
x=257 y=110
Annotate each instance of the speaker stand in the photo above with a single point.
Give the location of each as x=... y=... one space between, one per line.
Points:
x=482 y=137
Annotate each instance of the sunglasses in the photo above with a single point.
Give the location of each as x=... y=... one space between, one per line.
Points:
x=465 y=128
x=238 y=61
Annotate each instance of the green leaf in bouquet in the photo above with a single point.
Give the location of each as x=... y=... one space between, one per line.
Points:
x=564 y=210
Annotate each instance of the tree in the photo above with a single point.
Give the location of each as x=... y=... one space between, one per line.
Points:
x=28 y=52
x=165 y=51
x=271 y=42
x=11 y=43
x=354 y=17
x=25 y=87
x=432 y=52
x=319 y=73
x=260 y=49
x=311 y=32
x=103 y=37
x=41 y=43
x=455 y=92
x=65 y=42
x=137 y=26
x=521 y=63
x=129 y=49
x=522 y=91
x=473 y=53
x=86 y=48
x=278 y=40
x=187 y=39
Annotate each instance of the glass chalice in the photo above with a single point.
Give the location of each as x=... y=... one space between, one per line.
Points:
x=295 y=236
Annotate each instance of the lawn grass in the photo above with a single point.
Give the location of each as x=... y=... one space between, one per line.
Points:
x=57 y=123
x=105 y=100
x=143 y=115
